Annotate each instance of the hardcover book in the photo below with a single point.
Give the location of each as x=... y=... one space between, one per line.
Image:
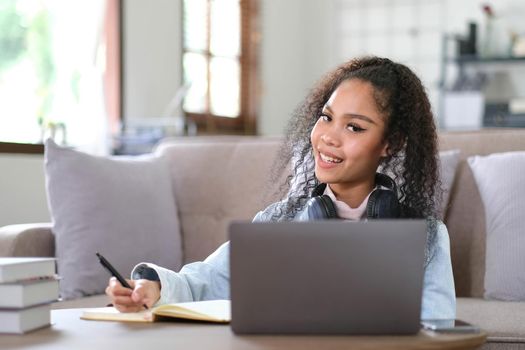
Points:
x=24 y=320
x=15 y=269
x=29 y=292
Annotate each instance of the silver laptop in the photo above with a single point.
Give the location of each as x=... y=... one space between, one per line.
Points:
x=327 y=277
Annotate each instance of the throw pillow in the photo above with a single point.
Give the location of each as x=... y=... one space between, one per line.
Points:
x=122 y=207
x=499 y=178
x=448 y=164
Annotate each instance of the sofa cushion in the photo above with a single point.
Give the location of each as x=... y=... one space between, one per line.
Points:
x=504 y=321
x=122 y=207
x=27 y=240
x=237 y=185
x=448 y=161
x=500 y=181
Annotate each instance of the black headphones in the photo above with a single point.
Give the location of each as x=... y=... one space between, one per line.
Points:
x=382 y=203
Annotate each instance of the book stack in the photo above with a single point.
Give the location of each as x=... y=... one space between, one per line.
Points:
x=28 y=286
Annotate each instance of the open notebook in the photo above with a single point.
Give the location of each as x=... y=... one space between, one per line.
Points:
x=217 y=311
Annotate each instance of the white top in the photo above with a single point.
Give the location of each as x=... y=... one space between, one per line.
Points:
x=344 y=211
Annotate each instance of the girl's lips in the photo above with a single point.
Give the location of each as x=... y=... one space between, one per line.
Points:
x=324 y=164
x=330 y=158
x=326 y=154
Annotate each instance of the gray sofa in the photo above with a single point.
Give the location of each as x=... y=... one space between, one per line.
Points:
x=240 y=187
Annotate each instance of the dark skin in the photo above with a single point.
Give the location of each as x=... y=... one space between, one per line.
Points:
x=348 y=142
x=132 y=300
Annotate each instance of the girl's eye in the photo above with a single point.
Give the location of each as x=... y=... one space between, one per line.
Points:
x=325 y=118
x=355 y=128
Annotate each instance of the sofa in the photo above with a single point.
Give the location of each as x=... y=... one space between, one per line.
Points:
x=236 y=185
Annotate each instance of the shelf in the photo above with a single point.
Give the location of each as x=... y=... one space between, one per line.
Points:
x=482 y=60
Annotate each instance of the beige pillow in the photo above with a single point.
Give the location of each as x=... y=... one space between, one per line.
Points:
x=499 y=178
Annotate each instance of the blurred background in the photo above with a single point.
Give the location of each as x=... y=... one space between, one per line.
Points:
x=116 y=76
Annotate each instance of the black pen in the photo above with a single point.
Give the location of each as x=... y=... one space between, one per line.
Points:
x=115 y=273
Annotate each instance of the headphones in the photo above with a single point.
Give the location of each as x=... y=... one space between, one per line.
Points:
x=382 y=203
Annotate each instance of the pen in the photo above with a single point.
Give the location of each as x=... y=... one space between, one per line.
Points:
x=115 y=273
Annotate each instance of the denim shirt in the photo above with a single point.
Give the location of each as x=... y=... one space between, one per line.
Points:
x=210 y=279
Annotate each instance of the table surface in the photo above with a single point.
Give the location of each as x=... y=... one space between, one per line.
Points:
x=68 y=331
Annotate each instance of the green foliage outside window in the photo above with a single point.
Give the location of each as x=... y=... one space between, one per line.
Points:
x=12 y=34
x=26 y=36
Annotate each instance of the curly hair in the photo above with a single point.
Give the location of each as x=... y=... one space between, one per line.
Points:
x=410 y=132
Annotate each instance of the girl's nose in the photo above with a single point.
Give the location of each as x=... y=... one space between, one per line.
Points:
x=330 y=139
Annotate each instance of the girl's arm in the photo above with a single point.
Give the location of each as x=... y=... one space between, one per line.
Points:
x=203 y=280
x=439 y=296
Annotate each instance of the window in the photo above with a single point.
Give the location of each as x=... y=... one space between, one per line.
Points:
x=219 y=65
x=59 y=72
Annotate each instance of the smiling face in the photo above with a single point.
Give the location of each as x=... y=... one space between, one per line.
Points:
x=348 y=139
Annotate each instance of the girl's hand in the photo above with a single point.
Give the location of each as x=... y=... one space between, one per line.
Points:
x=131 y=300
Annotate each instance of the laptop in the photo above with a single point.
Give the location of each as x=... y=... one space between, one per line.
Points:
x=327 y=277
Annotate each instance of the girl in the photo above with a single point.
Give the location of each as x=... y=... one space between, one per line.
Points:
x=367 y=115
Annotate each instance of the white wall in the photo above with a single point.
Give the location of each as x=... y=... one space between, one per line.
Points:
x=22 y=189
x=297 y=48
x=151 y=57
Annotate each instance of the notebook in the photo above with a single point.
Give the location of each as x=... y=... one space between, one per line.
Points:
x=327 y=277
x=216 y=311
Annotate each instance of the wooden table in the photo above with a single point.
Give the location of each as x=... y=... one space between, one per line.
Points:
x=70 y=332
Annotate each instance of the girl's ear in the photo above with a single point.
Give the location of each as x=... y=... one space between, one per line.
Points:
x=385 y=151
x=393 y=147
